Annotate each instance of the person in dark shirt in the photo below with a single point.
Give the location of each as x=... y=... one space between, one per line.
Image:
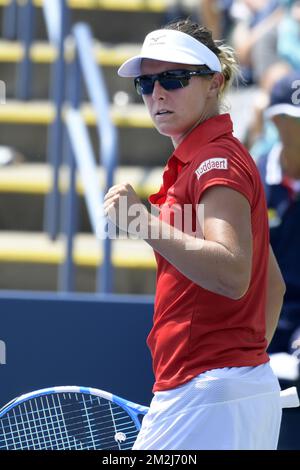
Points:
x=280 y=170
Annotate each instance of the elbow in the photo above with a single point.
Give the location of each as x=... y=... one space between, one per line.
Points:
x=236 y=288
x=238 y=291
x=281 y=287
x=237 y=278
x=277 y=285
x=241 y=285
x=239 y=281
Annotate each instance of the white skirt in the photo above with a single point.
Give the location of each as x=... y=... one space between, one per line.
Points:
x=230 y=408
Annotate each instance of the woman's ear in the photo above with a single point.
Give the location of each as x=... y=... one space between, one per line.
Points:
x=215 y=85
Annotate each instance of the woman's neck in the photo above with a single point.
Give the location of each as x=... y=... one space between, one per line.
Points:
x=177 y=140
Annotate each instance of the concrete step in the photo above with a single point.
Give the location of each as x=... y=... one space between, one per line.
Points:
x=111 y=5
x=143 y=146
x=45 y=277
x=30 y=261
x=33 y=178
x=24 y=127
x=108 y=55
x=23 y=188
x=113 y=21
x=42 y=53
x=37 y=248
x=43 y=113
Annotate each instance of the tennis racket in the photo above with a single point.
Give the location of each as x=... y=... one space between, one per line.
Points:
x=70 y=417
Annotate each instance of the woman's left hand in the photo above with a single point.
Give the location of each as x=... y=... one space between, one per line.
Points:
x=124 y=208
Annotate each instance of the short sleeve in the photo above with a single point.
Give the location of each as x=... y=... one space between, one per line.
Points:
x=225 y=169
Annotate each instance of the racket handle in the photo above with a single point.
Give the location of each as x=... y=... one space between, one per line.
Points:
x=289 y=398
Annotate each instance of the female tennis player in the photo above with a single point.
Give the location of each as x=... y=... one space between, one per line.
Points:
x=219 y=289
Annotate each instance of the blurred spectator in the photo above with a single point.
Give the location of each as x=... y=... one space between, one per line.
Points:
x=288 y=41
x=216 y=16
x=175 y=10
x=268 y=32
x=178 y=9
x=254 y=36
x=280 y=43
x=280 y=170
x=263 y=134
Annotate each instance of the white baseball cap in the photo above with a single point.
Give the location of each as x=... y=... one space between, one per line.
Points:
x=169 y=45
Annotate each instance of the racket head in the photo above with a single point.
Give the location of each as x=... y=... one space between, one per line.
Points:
x=70 y=417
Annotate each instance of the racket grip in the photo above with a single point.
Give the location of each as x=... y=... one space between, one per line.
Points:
x=289 y=398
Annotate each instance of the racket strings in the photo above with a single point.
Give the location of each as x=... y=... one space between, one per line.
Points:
x=72 y=421
x=105 y=418
x=79 y=432
x=50 y=409
x=72 y=414
x=53 y=441
x=61 y=439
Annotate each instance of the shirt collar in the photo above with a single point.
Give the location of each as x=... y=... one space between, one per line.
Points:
x=205 y=132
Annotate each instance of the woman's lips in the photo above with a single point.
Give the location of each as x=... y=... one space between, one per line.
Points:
x=163 y=114
x=163 y=111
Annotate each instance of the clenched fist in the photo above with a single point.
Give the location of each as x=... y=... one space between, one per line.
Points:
x=124 y=208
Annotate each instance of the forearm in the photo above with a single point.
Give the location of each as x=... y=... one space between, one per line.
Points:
x=208 y=264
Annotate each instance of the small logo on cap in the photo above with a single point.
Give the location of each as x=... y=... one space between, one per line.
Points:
x=154 y=41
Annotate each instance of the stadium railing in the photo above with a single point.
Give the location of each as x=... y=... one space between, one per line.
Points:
x=73 y=146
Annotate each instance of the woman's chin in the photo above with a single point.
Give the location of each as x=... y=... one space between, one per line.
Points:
x=166 y=130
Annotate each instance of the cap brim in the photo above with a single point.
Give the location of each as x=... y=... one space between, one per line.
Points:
x=132 y=67
x=283 y=108
x=173 y=46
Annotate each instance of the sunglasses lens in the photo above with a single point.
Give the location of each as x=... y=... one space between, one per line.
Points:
x=144 y=85
x=173 y=83
x=172 y=80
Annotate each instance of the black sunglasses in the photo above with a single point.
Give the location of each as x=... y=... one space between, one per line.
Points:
x=169 y=80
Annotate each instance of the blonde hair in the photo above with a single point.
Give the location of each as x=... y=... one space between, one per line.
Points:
x=230 y=67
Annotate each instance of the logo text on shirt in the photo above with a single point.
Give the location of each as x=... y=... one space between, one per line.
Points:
x=212 y=164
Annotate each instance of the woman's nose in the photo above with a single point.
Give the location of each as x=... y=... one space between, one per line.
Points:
x=158 y=91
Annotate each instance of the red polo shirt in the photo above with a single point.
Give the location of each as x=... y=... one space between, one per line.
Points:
x=195 y=330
